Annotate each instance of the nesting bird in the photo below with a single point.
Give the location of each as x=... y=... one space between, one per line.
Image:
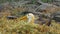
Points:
x=30 y=18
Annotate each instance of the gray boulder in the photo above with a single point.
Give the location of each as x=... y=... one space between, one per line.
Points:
x=11 y=17
x=56 y=16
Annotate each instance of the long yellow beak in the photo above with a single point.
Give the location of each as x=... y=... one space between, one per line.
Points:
x=23 y=18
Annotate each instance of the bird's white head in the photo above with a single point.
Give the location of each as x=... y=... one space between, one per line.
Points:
x=30 y=17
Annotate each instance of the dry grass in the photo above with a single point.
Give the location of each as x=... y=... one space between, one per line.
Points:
x=21 y=27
